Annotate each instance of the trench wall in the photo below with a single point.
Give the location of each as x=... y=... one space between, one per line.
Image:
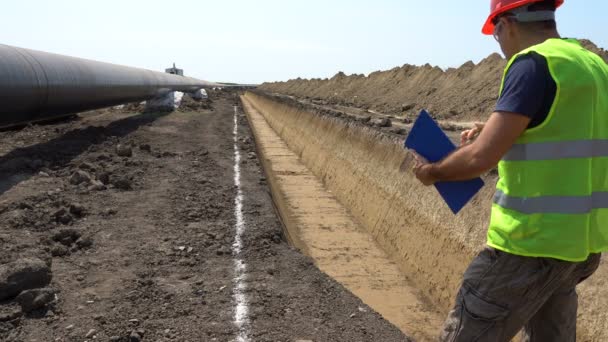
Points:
x=361 y=166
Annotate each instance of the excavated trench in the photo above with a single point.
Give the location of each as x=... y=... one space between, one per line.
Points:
x=339 y=190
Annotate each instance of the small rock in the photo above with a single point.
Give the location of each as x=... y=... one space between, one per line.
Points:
x=91 y=333
x=124 y=151
x=385 y=122
x=43 y=174
x=104 y=157
x=87 y=167
x=60 y=212
x=406 y=106
x=59 y=250
x=145 y=147
x=62 y=216
x=69 y=327
x=104 y=177
x=77 y=209
x=84 y=242
x=134 y=337
x=400 y=131
x=366 y=119
x=109 y=212
x=97 y=186
x=23 y=274
x=65 y=219
x=352 y=315
x=222 y=251
x=251 y=155
x=122 y=183
x=115 y=339
x=134 y=321
x=79 y=177
x=67 y=236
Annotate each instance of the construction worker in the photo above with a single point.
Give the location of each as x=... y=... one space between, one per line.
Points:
x=549 y=220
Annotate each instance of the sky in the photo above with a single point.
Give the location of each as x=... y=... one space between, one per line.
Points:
x=247 y=41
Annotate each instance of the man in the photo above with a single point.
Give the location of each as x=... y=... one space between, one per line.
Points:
x=549 y=220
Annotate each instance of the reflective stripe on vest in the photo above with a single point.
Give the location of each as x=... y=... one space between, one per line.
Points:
x=553 y=204
x=558 y=150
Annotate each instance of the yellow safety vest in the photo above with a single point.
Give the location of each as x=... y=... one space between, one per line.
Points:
x=552 y=194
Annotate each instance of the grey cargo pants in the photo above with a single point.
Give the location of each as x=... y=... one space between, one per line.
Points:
x=502 y=293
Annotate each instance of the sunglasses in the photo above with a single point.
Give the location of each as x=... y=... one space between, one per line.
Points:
x=497 y=29
x=498 y=24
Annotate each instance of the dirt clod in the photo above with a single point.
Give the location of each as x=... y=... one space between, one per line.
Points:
x=122 y=183
x=59 y=250
x=97 y=186
x=385 y=122
x=104 y=177
x=80 y=176
x=35 y=299
x=84 y=242
x=67 y=236
x=124 y=151
x=77 y=209
x=23 y=274
x=135 y=337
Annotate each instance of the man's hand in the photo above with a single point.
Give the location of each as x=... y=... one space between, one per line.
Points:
x=468 y=136
x=422 y=170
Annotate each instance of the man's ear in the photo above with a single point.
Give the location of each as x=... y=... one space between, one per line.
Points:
x=510 y=26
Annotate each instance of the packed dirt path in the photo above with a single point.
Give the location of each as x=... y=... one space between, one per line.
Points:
x=151 y=235
x=323 y=228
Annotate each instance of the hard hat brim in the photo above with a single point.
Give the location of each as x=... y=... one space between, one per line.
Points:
x=488 y=27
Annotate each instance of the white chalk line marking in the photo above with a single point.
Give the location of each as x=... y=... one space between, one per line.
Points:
x=241 y=312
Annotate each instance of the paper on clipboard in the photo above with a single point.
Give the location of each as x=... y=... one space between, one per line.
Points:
x=429 y=141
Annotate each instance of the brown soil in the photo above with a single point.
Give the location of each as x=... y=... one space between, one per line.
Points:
x=135 y=213
x=467 y=93
x=319 y=225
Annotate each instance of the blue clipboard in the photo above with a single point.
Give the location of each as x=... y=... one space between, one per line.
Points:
x=429 y=141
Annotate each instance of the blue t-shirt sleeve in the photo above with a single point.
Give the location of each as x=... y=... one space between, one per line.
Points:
x=529 y=89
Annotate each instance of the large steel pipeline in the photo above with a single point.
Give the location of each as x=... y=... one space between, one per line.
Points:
x=36 y=85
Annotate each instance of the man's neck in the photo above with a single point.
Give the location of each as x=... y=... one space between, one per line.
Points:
x=538 y=38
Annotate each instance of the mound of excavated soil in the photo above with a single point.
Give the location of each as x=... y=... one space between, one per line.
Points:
x=466 y=93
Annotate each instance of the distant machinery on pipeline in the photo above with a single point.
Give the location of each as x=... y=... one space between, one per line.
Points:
x=36 y=85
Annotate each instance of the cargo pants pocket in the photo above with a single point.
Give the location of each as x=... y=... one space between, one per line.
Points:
x=480 y=319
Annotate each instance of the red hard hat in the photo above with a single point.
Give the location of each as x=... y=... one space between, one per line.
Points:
x=501 y=6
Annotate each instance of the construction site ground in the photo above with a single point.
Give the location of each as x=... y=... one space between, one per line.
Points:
x=135 y=215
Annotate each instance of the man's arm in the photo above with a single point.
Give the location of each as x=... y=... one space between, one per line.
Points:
x=498 y=135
